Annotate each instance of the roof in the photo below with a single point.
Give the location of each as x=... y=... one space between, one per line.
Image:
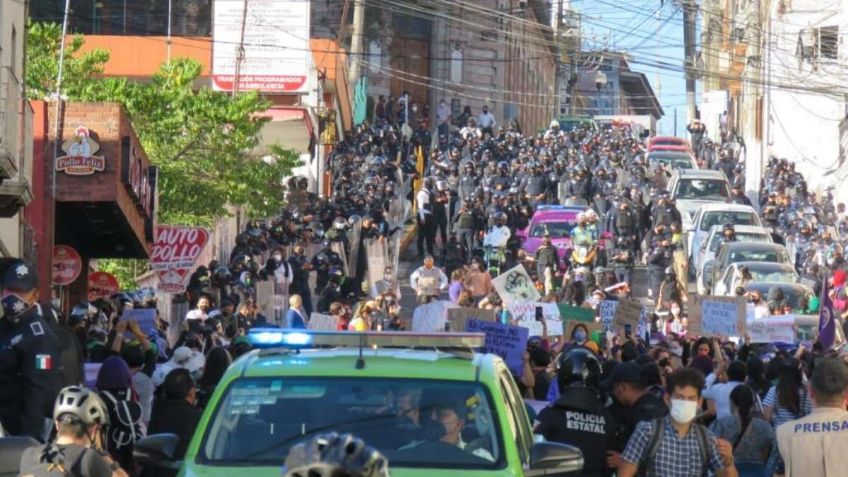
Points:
x=641 y=94
x=727 y=207
x=740 y=228
x=382 y=362
x=700 y=174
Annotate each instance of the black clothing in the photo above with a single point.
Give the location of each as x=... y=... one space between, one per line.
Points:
x=178 y=417
x=646 y=408
x=579 y=418
x=30 y=376
x=79 y=461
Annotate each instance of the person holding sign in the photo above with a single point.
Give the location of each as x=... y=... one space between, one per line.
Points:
x=428 y=281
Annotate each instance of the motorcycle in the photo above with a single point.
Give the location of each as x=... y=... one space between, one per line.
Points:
x=584 y=255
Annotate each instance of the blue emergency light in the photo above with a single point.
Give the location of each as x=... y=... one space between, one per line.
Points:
x=265 y=338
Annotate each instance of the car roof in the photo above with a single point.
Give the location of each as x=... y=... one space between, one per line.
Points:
x=381 y=362
x=754 y=246
x=726 y=207
x=700 y=174
x=560 y=212
x=772 y=266
x=764 y=287
x=669 y=152
x=740 y=228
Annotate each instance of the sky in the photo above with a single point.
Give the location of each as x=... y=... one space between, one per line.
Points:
x=649 y=31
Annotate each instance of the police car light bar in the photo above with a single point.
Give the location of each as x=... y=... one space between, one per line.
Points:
x=298 y=339
x=562 y=208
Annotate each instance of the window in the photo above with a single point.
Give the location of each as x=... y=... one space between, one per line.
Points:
x=828 y=39
x=456 y=65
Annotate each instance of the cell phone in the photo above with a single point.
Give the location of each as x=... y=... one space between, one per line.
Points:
x=628 y=329
x=539 y=315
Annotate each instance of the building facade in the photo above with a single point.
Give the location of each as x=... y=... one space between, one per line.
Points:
x=15 y=127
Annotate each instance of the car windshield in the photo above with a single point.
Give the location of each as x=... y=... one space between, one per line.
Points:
x=556 y=229
x=673 y=162
x=773 y=276
x=724 y=217
x=688 y=189
x=758 y=256
x=257 y=420
x=717 y=239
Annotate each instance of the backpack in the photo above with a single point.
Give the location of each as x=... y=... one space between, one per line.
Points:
x=51 y=463
x=125 y=419
x=656 y=440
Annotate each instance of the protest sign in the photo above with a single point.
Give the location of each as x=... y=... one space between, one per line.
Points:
x=525 y=315
x=772 y=329
x=593 y=326
x=515 y=286
x=174 y=253
x=578 y=313
x=459 y=316
x=606 y=313
x=508 y=342
x=321 y=321
x=145 y=317
x=628 y=312
x=716 y=315
x=376 y=254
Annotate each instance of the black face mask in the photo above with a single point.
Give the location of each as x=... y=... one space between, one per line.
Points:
x=434 y=430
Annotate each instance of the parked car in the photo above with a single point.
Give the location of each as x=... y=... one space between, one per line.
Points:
x=716 y=214
x=658 y=141
x=760 y=272
x=692 y=188
x=739 y=252
x=672 y=159
x=793 y=293
x=708 y=249
x=556 y=220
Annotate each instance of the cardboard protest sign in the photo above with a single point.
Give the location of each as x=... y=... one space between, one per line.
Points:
x=458 y=317
x=578 y=313
x=628 y=312
x=321 y=321
x=525 y=315
x=508 y=342
x=515 y=286
x=772 y=329
x=606 y=313
x=716 y=316
x=593 y=326
x=145 y=317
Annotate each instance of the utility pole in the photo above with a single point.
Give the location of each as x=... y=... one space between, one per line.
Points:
x=357 y=39
x=689 y=9
x=559 y=64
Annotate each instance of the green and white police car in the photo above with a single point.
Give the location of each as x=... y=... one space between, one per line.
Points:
x=429 y=402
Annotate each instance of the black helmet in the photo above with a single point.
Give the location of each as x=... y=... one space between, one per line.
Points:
x=500 y=218
x=728 y=226
x=337 y=455
x=578 y=368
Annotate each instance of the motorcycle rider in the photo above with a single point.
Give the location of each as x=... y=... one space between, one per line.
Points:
x=623 y=259
x=498 y=236
x=582 y=235
x=578 y=417
x=547 y=258
x=30 y=363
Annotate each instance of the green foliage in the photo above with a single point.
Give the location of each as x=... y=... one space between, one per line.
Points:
x=202 y=140
x=124 y=269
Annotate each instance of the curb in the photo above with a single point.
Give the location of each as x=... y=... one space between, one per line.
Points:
x=409 y=234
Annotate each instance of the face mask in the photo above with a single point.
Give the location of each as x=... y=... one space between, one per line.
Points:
x=580 y=336
x=677 y=351
x=683 y=411
x=277 y=257
x=14 y=306
x=434 y=430
x=675 y=311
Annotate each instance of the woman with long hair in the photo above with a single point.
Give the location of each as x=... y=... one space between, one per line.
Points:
x=788 y=399
x=217 y=362
x=751 y=436
x=757 y=376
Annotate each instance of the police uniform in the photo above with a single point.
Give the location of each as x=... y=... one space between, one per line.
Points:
x=579 y=418
x=29 y=362
x=814 y=446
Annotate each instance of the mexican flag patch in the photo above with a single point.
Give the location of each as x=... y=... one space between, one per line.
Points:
x=43 y=361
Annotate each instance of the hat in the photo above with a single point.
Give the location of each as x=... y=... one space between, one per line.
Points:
x=628 y=372
x=183 y=357
x=20 y=277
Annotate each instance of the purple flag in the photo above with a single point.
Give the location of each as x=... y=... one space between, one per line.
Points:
x=827 y=323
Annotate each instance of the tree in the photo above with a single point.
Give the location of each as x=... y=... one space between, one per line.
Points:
x=202 y=140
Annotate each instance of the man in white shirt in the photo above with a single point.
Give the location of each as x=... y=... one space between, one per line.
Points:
x=718 y=395
x=426 y=225
x=487 y=122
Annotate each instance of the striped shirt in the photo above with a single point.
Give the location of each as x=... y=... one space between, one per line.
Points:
x=781 y=414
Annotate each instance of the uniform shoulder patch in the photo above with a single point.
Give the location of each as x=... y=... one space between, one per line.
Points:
x=37 y=328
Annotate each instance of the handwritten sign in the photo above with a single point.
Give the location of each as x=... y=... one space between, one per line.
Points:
x=578 y=313
x=458 y=317
x=515 y=286
x=772 y=329
x=716 y=315
x=145 y=317
x=525 y=315
x=508 y=342
x=628 y=312
x=321 y=321
x=606 y=313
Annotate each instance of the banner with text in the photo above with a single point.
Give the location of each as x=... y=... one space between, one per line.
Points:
x=772 y=329
x=525 y=315
x=508 y=342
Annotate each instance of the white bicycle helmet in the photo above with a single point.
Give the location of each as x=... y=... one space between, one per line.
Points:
x=82 y=403
x=335 y=455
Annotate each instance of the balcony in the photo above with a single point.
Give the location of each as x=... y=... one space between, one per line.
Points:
x=14 y=195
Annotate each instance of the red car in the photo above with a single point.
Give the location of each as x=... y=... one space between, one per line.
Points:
x=660 y=141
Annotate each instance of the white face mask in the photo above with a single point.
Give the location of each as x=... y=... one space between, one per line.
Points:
x=683 y=411
x=677 y=351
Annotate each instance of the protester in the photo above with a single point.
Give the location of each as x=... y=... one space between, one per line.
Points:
x=177 y=413
x=751 y=436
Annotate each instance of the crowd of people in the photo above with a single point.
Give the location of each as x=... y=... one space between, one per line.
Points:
x=620 y=398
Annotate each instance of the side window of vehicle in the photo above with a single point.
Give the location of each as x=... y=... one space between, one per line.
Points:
x=519 y=422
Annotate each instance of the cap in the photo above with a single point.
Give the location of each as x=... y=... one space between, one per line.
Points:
x=628 y=372
x=20 y=277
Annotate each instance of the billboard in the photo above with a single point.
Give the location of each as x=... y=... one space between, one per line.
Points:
x=276 y=45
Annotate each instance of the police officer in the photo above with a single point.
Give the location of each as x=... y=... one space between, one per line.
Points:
x=464 y=225
x=658 y=260
x=814 y=445
x=536 y=185
x=737 y=195
x=300 y=268
x=454 y=255
x=578 y=417
x=547 y=257
x=623 y=259
x=467 y=184
x=322 y=262
x=29 y=355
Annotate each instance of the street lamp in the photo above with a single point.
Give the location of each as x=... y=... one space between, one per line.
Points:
x=600 y=82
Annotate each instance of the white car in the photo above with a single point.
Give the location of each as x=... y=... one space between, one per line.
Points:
x=716 y=214
x=768 y=272
x=709 y=248
x=693 y=188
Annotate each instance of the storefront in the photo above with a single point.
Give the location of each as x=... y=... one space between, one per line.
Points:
x=105 y=189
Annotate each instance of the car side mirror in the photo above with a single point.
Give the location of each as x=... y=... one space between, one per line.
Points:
x=554 y=459
x=157 y=450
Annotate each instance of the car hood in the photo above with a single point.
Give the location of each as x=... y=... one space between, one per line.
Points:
x=690 y=206
x=208 y=471
x=532 y=244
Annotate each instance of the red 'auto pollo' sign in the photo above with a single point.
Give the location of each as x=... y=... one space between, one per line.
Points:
x=174 y=253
